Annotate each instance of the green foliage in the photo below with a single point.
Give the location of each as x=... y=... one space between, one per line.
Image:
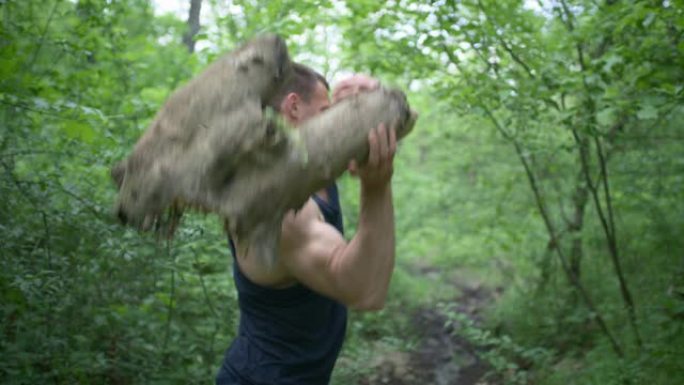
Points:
x=586 y=97
x=523 y=104
x=83 y=300
x=509 y=360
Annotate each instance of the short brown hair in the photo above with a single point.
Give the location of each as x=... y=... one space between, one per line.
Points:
x=302 y=82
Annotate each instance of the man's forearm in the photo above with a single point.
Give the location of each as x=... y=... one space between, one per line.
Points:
x=369 y=257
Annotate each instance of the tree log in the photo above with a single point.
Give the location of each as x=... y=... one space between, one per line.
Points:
x=215 y=147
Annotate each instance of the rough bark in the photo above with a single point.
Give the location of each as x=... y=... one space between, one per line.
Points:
x=198 y=126
x=213 y=146
x=193 y=24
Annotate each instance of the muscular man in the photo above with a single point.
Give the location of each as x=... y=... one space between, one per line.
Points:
x=293 y=317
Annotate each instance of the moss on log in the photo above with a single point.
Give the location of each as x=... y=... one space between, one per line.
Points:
x=215 y=147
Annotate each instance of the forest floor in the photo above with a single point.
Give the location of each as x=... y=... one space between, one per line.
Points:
x=440 y=357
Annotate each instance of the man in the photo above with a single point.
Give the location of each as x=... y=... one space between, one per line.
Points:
x=293 y=316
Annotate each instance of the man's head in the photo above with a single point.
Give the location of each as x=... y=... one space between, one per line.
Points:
x=304 y=95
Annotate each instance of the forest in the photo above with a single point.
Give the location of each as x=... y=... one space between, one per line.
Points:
x=539 y=200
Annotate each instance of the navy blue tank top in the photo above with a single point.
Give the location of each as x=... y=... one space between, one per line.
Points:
x=286 y=336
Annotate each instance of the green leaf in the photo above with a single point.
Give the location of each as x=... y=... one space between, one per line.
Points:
x=606 y=116
x=80 y=131
x=611 y=61
x=647 y=112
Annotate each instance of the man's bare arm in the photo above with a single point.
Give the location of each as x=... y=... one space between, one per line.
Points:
x=355 y=273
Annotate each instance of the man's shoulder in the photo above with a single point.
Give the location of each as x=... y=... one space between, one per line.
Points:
x=295 y=231
x=297 y=223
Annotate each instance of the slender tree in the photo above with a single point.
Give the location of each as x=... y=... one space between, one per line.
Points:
x=193 y=24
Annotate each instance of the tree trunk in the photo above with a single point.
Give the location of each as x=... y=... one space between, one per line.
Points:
x=575 y=224
x=214 y=147
x=193 y=24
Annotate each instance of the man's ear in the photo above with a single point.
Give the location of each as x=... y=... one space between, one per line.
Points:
x=291 y=108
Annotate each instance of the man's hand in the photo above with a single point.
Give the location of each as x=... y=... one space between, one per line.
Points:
x=353 y=85
x=377 y=172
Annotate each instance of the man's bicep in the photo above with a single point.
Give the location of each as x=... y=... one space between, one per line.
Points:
x=313 y=263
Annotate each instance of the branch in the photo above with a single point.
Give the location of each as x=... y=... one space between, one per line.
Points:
x=612 y=243
x=598 y=318
x=505 y=45
x=564 y=262
x=554 y=240
x=607 y=223
x=172 y=294
x=568 y=16
x=23 y=106
x=608 y=229
x=515 y=58
x=42 y=35
x=574 y=279
x=204 y=287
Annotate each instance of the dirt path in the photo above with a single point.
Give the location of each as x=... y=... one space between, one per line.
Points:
x=440 y=358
